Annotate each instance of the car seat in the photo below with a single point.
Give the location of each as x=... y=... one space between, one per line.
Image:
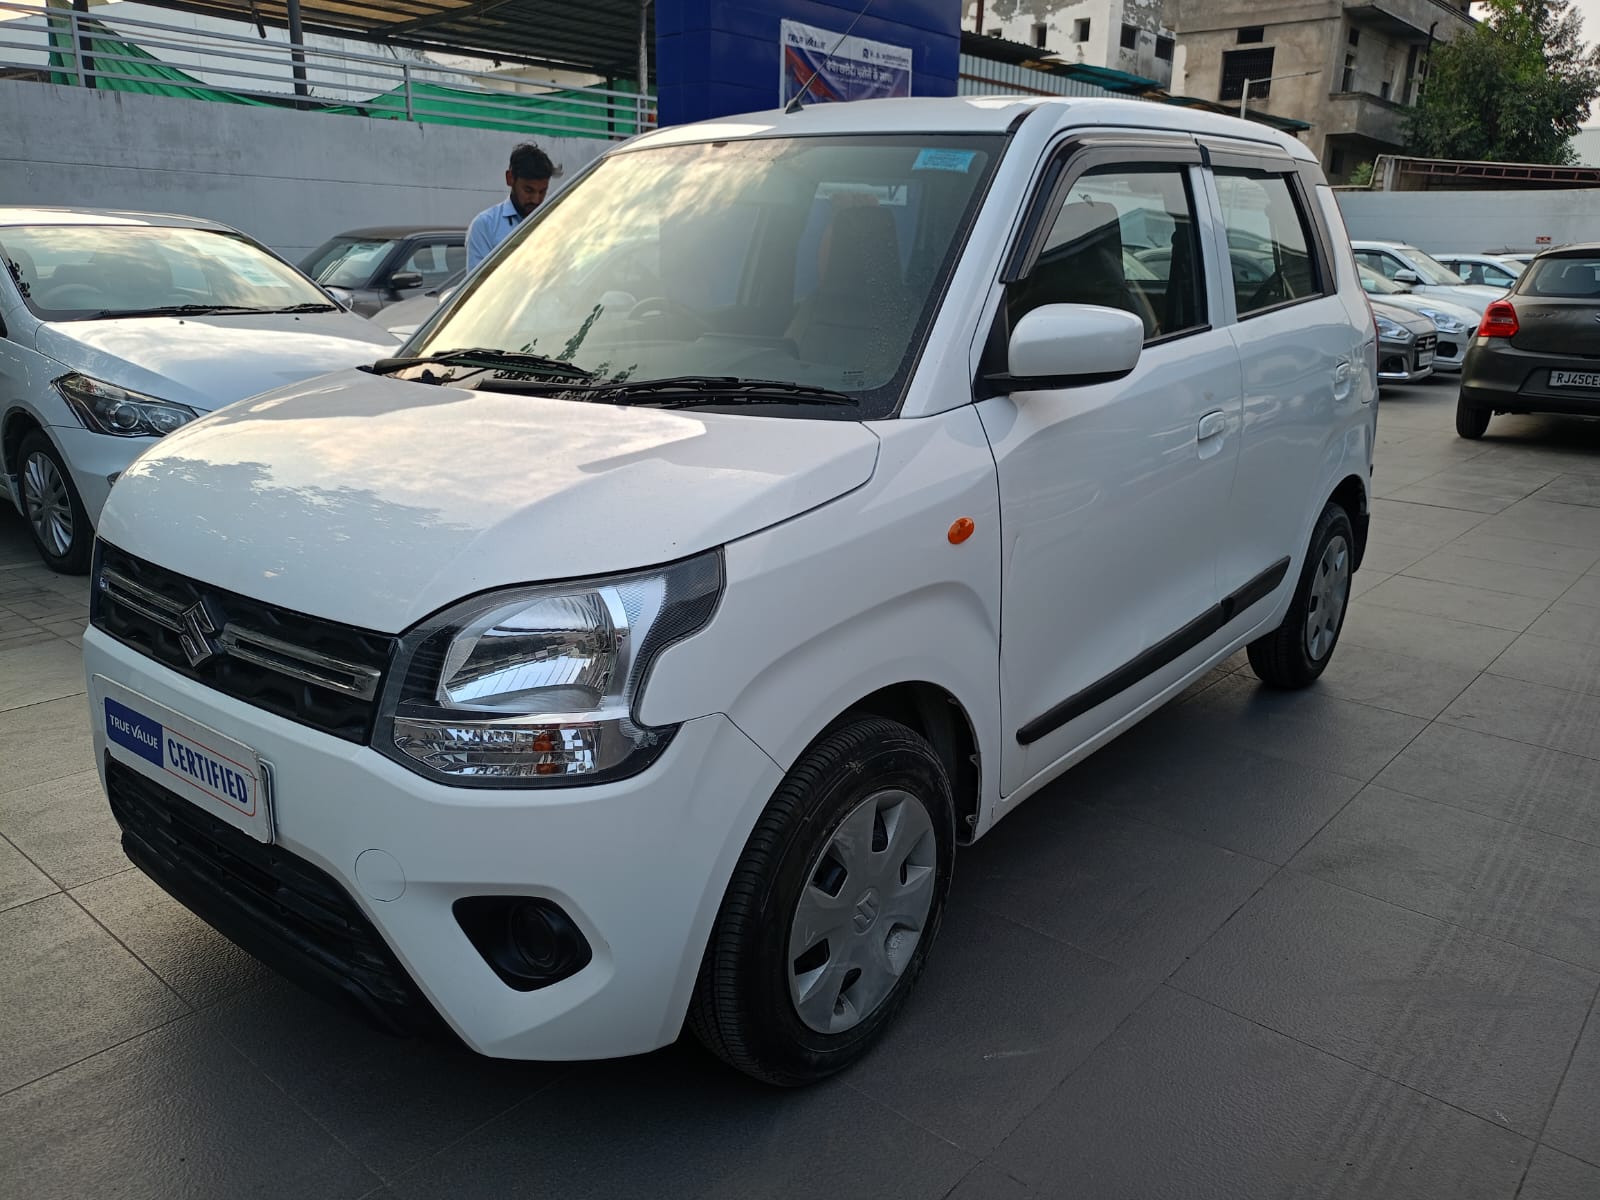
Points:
x=1082 y=264
x=857 y=316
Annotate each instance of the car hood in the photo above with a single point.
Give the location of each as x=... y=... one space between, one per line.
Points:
x=375 y=501
x=1469 y=295
x=1434 y=303
x=1403 y=317
x=207 y=362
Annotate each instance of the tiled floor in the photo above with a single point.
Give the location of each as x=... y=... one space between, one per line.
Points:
x=1340 y=943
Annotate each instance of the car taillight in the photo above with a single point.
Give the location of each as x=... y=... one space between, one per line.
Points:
x=1499 y=320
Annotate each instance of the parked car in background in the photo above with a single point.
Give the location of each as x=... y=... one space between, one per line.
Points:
x=1453 y=322
x=1406 y=344
x=1486 y=269
x=1405 y=264
x=404 y=318
x=1520 y=257
x=117 y=328
x=369 y=269
x=1538 y=348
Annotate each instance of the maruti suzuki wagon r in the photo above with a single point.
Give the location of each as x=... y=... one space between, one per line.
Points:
x=781 y=506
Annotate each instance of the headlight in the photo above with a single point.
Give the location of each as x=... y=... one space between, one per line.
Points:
x=1388 y=329
x=538 y=686
x=1445 y=322
x=106 y=408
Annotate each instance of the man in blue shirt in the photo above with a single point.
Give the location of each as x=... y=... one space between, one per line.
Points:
x=528 y=177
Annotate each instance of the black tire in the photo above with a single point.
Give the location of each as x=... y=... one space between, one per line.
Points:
x=743 y=1009
x=74 y=558
x=1471 y=423
x=1287 y=657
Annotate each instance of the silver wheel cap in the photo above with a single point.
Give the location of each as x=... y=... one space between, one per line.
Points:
x=866 y=902
x=1330 y=592
x=46 y=501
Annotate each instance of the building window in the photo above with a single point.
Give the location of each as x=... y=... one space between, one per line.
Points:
x=1347 y=82
x=1040 y=32
x=1239 y=65
x=1355 y=36
x=1130 y=36
x=1336 y=162
x=1385 y=89
x=1163 y=48
x=1251 y=33
x=1080 y=29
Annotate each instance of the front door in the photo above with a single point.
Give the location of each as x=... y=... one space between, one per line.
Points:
x=1112 y=494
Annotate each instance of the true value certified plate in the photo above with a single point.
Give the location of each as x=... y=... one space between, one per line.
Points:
x=1578 y=379
x=223 y=776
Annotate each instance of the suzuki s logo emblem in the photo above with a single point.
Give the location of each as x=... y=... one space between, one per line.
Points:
x=866 y=911
x=196 y=636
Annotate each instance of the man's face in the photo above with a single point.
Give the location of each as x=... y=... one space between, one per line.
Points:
x=526 y=194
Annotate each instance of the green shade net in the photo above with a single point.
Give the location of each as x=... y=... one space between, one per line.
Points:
x=138 y=70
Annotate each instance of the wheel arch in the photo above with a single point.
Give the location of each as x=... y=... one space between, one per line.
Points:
x=1351 y=495
x=17 y=424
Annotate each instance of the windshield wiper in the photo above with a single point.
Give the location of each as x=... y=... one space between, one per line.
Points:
x=685 y=391
x=312 y=306
x=171 y=310
x=514 y=361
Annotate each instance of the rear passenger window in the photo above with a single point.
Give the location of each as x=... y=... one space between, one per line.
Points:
x=1124 y=238
x=1269 y=241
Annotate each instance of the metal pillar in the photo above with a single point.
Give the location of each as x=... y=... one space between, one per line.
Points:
x=85 y=59
x=297 y=49
x=644 y=63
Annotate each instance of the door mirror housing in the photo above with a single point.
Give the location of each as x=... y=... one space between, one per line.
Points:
x=404 y=281
x=1407 y=277
x=1064 y=345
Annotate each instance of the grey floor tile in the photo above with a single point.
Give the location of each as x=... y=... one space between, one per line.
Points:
x=175 y=1113
x=392 y=1101
x=1518 y=551
x=1165 y=773
x=986 y=1182
x=15 y=634
x=1387 y=558
x=193 y=959
x=1529 y=712
x=1420 y=526
x=38 y=673
x=1570 y=666
x=1526 y=785
x=1584 y=591
x=20 y=880
x=1477 y=606
x=1519 y=579
x=43 y=742
x=1432 y=493
x=1189 y=1101
x=1500 y=880
x=1570 y=622
x=1557 y=1176
x=1139 y=896
x=1541 y=521
x=68 y=990
x=1366 y=580
x=1438 y=639
x=1471 y=1021
x=971 y=1082
x=1572 y=489
x=1574 y=1124
x=1311 y=727
x=66 y=827
x=1398 y=682
x=677 y=1124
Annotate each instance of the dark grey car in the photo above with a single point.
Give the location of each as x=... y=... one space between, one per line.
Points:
x=1537 y=349
x=1406 y=343
x=369 y=269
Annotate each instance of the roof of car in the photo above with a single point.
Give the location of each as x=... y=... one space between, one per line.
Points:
x=390 y=232
x=11 y=216
x=972 y=114
x=1577 y=249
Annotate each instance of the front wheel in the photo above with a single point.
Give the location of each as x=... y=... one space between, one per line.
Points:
x=832 y=908
x=1295 y=653
x=55 y=513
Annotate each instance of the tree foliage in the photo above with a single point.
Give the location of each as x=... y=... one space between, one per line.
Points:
x=1515 y=88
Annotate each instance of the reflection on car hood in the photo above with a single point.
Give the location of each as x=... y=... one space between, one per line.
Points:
x=206 y=362
x=1415 y=322
x=376 y=501
x=1435 y=303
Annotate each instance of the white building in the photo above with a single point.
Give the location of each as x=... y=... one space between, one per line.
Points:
x=1124 y=35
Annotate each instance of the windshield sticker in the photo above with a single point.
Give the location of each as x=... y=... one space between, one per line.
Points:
x=944 y=160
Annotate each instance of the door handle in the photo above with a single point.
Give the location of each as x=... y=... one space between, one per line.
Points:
x=1213 y=424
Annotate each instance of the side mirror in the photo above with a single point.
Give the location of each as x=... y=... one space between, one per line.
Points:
x=1407 y=277
x=404 y=281
x=1059 y=345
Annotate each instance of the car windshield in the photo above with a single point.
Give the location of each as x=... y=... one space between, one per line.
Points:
x=811 y=261
x=82 y=272
x=1371 y=281
x=347 y=261
x=1576 y=277
x=1431 y=269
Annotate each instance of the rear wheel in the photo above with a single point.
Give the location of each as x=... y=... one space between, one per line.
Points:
x=832 y=908
x=1295 y=653
x=56 y=518
x=1471 y=422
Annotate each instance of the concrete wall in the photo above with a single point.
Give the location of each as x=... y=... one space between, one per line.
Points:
x=1474 y=221
x=286 y=178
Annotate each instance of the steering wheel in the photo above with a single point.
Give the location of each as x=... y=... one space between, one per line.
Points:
x=666 y=306
x=1269 y=291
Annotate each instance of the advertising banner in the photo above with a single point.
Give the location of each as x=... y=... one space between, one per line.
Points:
x=852 y=69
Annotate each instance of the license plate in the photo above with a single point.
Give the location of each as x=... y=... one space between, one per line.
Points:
x=1578 y=379
x=209 y=769
x=1424 y=358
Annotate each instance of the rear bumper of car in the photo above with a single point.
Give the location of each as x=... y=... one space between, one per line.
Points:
x=1500 y=378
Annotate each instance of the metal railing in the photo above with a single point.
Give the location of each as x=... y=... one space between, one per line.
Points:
x=123 y=54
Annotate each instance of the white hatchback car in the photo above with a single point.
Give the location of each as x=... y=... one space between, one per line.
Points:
x=117 y=328
x=611 y=661
x=1423 y=274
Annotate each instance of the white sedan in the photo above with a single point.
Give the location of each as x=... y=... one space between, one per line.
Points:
x=117 y=328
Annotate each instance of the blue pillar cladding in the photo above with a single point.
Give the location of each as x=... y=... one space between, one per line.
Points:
x=715 y=58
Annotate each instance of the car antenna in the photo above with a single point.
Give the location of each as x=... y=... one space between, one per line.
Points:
x=794 y=105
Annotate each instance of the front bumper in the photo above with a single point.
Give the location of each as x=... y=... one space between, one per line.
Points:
x=95 y=460
x=1401 y=362
x=639 y=865
x=1451 y=350
x=1499 y=377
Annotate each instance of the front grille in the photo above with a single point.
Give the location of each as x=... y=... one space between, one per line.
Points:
x=316 y=672
x=1427 y=342
x=291 y=915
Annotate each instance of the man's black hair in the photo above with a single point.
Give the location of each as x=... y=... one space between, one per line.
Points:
x=530 y=162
